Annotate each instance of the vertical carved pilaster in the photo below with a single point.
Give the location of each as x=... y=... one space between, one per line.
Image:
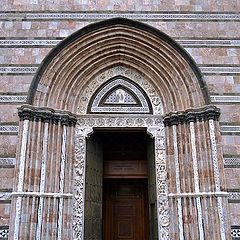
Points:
x=217 y=177
x=22 y=159
x=178 y=188
x=61 y=181
x=196 y=180
x=79 y=181
x=161 y=181
x=42 y=180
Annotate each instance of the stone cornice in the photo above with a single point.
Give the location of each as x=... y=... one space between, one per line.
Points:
x=192 y=115
x=45 y=114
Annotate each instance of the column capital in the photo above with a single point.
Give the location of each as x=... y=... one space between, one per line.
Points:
x=46 y=114
x=192 y=115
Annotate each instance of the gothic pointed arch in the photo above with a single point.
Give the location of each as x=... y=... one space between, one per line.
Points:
x=73 y=63
x=120 y=95
x=112 y=67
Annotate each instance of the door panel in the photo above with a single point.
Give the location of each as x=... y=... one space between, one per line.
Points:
x=93 y=190
x=152 y=190
x=125 y=210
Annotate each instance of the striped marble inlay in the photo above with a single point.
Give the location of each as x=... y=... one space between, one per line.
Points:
x=235 y=232
x=5 y=161
x=18 y=70
x=205 y=43
x=147 y=16
x=5 y=196
x=220 y=69
x=234 y=196
x=232 y=162
x=8 y=129
x=28 y=42
x=225 y=99
x=13 y=98
x=4 y=232
x=230 y=129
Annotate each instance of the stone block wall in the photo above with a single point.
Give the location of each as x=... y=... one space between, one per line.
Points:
x=208 y=30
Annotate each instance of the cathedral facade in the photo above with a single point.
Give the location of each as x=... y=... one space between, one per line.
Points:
x=120 y=120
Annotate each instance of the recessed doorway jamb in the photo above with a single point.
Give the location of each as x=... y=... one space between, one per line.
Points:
x=155 y=127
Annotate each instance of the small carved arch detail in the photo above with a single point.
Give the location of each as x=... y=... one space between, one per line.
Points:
x=120 y=95
x=131 y=76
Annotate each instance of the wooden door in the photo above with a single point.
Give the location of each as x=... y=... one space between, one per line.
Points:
x=125 y=210
x=93 y=189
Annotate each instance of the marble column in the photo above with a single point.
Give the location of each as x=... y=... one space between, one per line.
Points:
x=44 y=173
x=194 y=165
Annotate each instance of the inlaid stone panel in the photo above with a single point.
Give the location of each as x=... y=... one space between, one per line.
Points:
x=8 y=144
x=6 y=178
x=63 y=28
x=15 y=84
x=9 y=113
x=234 y=210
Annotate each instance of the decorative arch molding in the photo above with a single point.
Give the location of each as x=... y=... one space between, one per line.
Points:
x=103 y=45
x=119 y=95
x=53 y=129
x=152 y=98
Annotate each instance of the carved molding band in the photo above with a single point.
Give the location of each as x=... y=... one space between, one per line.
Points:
x=192 y=115
x=4 y=232
x=46 y=115
x=143 y=16
x=155 y=128
x=5 y=161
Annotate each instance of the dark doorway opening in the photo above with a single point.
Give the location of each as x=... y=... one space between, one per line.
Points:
x=125 y=186
x=120 y=195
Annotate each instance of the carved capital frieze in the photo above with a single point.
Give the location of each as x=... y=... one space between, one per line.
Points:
x=44 y=114
x=192 y=115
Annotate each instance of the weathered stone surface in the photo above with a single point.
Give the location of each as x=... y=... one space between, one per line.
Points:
x=178 y=24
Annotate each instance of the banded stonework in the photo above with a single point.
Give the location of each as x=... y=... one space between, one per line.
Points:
x=43 y=180
x=163 y=80
x=196 y=167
